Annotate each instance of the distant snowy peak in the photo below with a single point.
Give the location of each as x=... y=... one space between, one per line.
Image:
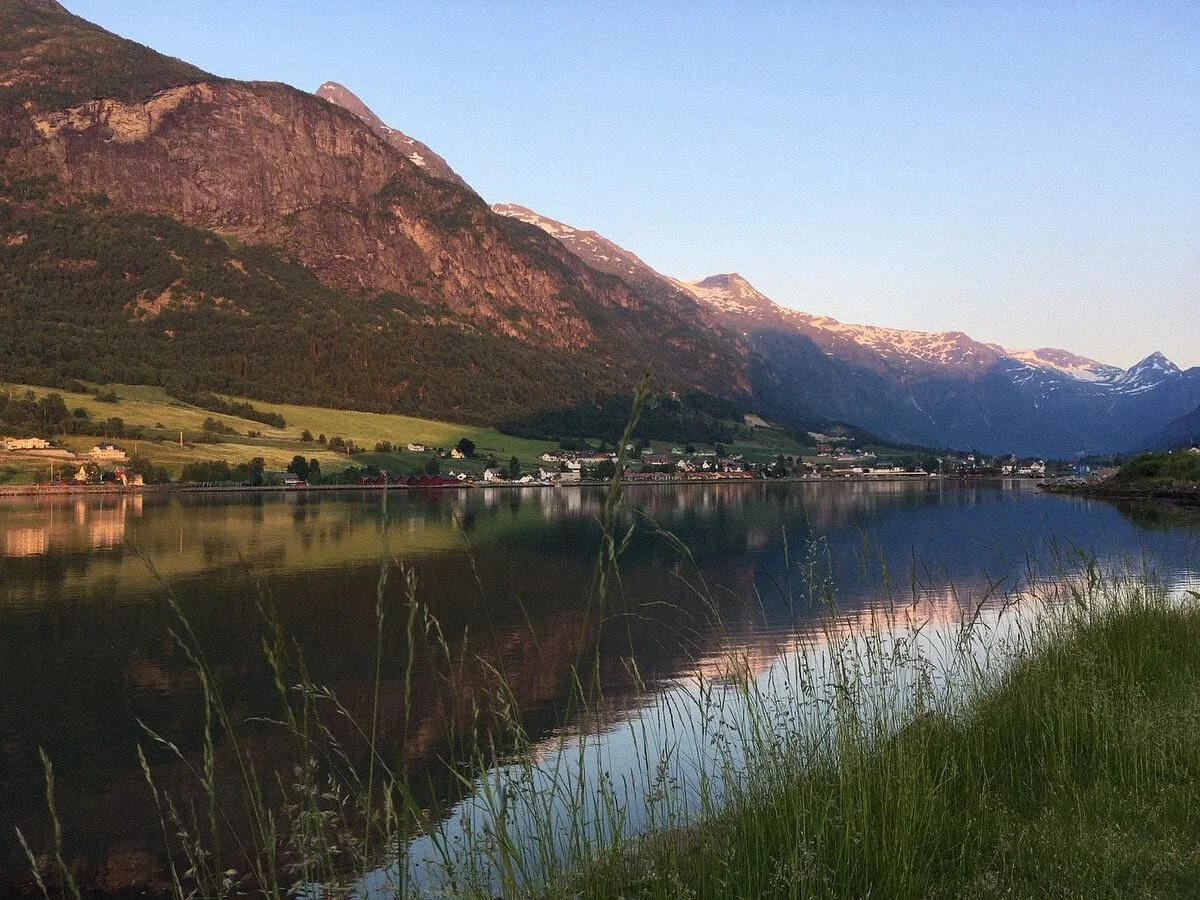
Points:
x=594 y=249
x=1149 y=373
x=731 y=293
x=890 y=347
x=953 y=349
x=418 y=154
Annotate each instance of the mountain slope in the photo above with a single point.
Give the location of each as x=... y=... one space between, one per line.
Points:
x=53 y=59
x=1182 y=432
x=266 y=165
x=947 y=389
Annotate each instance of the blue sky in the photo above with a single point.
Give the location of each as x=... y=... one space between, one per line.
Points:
x=1026 y=172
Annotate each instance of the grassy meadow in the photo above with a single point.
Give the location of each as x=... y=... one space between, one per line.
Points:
x=161 y=419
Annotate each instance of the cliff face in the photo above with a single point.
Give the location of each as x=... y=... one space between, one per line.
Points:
x=268 y=164
x=417 y=153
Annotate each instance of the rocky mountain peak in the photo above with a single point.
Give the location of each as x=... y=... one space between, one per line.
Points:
x=1152 y=371
x=1156 y=361
x=730 y=292
x=416 y=152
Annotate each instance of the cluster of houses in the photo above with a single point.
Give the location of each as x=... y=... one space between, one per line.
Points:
x=101 y=463
x=977 y=464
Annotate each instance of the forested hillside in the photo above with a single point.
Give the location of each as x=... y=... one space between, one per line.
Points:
x=126 y=297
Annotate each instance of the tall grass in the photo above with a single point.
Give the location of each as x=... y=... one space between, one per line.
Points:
x=1034 y=741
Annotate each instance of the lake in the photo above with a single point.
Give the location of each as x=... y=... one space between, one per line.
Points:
x=86 y=646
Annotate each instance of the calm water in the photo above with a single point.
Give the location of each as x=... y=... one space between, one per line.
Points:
x=86 y=650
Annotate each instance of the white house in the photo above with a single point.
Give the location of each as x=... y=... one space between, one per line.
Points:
x=416 y=448
x=25 y=444
x=492 y=474
x=107 y=452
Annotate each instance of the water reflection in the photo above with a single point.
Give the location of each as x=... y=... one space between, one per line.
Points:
x=85 y=648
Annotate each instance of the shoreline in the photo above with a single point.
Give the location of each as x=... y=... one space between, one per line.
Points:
x=1189 y=497
x=60 y=490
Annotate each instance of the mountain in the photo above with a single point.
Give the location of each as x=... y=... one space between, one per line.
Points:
x=594 y=249
x=930 y=388
x=1182 y=432
x=416 y=152
x=161 y=224
x=947 y=389
x=96 y=131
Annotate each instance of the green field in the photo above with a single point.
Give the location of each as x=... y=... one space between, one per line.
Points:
x=162 y=418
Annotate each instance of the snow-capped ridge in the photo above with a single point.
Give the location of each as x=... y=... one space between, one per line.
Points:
x=731 y=295
x=593 y=248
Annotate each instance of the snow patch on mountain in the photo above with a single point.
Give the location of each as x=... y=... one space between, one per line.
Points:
x=730 y=293
x=592 y=248
x=1077 y=367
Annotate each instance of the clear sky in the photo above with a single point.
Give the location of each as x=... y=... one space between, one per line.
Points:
x=1026 y=172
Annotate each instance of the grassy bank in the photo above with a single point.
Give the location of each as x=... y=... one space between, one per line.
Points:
x=1076 y=774
x=1173 y=477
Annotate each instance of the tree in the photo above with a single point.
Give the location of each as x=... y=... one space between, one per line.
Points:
x=151 y=474
x=514 y=468
x=432 y=466
x=466 y=447
x=605 y=471
x=306 y=436
x=314 y=469
x=299 y=467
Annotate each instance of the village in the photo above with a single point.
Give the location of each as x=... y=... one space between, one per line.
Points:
x=110 y=464
x=104 y=463
x=680 y=465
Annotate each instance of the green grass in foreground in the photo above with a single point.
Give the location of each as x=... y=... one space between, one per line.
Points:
x=1077 y=775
